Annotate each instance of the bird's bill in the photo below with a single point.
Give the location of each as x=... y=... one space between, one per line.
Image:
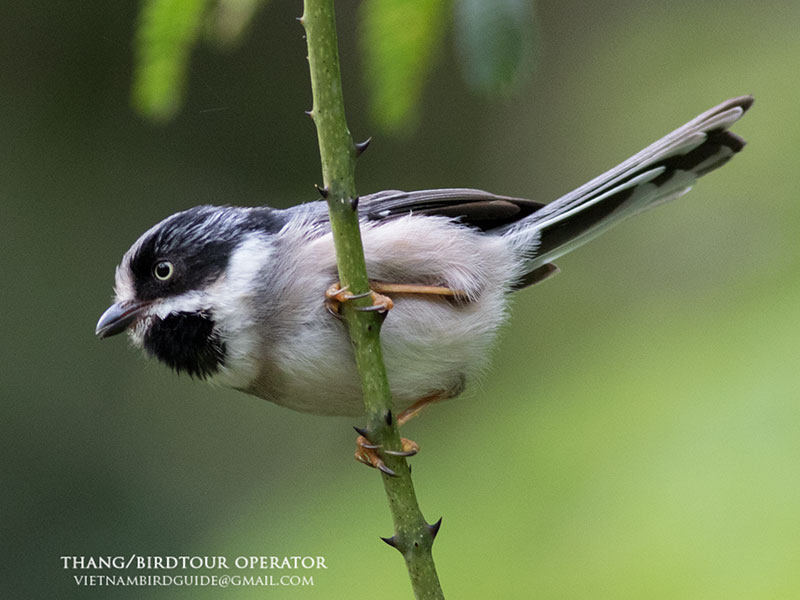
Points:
x=118 y=318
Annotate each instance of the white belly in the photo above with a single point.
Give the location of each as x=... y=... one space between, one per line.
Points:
x=430 y=344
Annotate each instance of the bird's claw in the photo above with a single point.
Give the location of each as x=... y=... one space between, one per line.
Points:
x=367 y=453
x=380 y=304
x=406 y=453
x=336 y=295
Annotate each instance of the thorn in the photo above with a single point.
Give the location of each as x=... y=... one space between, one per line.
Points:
x=323 y=191
x=361 y=146
x=354 y=203
x=409 y=469
x=310 y=113
x=390 y=540
x=361 y=431
x=300 y=19
x=388 y=418
x=434 y=528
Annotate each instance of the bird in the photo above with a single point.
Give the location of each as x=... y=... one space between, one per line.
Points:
x=243 y=296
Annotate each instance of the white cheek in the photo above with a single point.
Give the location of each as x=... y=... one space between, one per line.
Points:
x=193 y=301
x=234 y=305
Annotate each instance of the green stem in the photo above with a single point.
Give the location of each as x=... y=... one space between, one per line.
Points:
x=413 y=537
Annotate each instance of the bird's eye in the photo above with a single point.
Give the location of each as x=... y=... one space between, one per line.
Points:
x=163 y=270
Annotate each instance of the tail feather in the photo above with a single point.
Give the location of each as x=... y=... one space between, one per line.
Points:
x=661 y=172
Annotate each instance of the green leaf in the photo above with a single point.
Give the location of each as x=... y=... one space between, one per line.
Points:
x=497 y=42
x=399 y=41
x=167 y=32
x=229 y=20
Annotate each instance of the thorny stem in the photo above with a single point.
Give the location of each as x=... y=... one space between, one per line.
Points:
x=413 y=537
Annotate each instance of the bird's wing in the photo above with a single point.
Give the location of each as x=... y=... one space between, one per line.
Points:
x=474 y=208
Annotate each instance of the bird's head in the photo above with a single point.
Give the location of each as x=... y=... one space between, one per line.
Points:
x=182 y=289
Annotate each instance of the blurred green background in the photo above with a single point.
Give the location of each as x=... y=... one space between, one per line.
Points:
x=639 y=433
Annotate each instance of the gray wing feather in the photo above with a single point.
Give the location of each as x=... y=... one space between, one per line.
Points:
x=475 y=208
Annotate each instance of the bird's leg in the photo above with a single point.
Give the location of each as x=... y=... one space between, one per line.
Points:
x=335 y=295
x=414 y=288
x=412 y=411
x=367 y=452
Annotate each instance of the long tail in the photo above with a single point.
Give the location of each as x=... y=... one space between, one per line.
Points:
x=662 y=171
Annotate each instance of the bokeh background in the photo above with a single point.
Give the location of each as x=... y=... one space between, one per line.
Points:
x=639 y=433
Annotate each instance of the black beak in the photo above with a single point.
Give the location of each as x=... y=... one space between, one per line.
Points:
x=118 y=318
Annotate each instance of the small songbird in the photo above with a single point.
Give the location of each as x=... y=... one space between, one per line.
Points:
x=238 y=295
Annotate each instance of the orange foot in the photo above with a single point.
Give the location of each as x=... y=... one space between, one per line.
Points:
x=367 y=452
x=336 y=295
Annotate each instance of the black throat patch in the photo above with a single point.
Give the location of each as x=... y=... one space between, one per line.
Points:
x=187 y=343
